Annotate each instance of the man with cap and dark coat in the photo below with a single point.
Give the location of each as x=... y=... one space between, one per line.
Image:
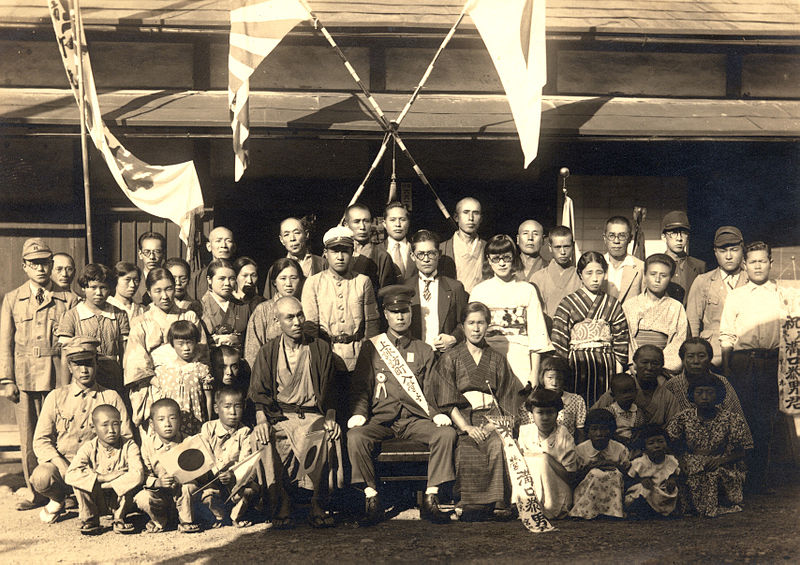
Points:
x=388 y=399
x=66 y=422
x=675 y=233
x=30 y=363
x=707 y=295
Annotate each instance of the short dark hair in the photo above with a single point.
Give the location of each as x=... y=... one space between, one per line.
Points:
x=619 y=379
x=395 y=204
x=122 y=268
x=425 y=235
x=151 y=235
x=499 y=244
x=177 y=261
x=619 y=220
x=105 y=408
x=183 y=329
x=156 y=275
x=600 y=417
x=64 y=254
x=228 y=390
x=97 y=273
x=757 y=246
x=696 y=340
x=557 y=363
x=709 y=380
x=662 y=259
x=281 y=264
x=560 y=231
x=648 y=431
x=242 y=262
x=218 y=352
x=477 y=307
x=541 y=397
x=164 y=403
x=648 y=347
x=591 y=257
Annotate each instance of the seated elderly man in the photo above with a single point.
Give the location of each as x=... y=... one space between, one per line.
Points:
x=66 y=422
x=294 y=390
x=657 y=403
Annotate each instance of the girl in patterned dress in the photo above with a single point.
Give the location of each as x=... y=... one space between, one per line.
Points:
x=710 y=444
x=602 y=462
x=185 y=380
x=590 y=330
x=517 y=329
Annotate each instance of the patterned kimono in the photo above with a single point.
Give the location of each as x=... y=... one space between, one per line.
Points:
x=147 y=349
x=660 y=322
x=480 y=467
x=218 y=322
x=698 y=440
x=592 y=333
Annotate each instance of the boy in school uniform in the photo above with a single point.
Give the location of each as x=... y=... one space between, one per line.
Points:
x=162 y=494
x=105 y=473
x=65 y=423
x=229 y=440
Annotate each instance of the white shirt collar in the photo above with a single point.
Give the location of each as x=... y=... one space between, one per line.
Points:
x=626 y=262
x=423 y=277
x=84 y=313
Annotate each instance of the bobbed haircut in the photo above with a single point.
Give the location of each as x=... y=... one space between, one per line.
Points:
x=97 y=273
x=541 y=397
x=708 y=380
x=647 y=431
x=123 y=268
x=662 y=259
x=477 y=307
x=557 y=363
x=183 y=329
x=500 y=244
x=591 y=257
x=600 y=417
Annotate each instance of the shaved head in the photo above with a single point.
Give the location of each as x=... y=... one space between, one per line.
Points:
x=530 y=236
x=468 y=216
x=221 y=243
x=286 y=303
x=290 y=317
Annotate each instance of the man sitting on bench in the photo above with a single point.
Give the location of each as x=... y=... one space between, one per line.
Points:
x=388 y=400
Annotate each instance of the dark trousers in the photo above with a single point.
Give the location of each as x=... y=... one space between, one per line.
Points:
x=100 y=501
x=754 y=377
x=362 y=442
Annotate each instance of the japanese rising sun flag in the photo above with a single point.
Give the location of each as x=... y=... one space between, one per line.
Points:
x=171 y=191
x=257 y=26
x=513 y=31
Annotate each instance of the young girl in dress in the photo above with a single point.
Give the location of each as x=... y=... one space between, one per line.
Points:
x=555 y=374
x=601 y=465
x=590 y=330
x=128 y=278
x=185 y=380
x=95 y=317
x=549 y=451
x=517 y=329
x=655 y=473
x=710 y=444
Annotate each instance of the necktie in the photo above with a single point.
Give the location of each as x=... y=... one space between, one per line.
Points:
x=397 y=257
x=730 y=282
x=426 y=292
x=40 y=296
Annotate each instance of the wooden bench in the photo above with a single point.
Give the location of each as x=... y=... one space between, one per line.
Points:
x=402 y=460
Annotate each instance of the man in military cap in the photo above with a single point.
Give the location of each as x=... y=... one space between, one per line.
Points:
x=675 y=233
x=388 y=399
x=340 y=302
x=708 y=292
x=30 y=366
x=66 y=422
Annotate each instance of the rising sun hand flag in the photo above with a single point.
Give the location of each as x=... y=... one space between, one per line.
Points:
x=257 y=26
x=513 y=31
x=171 y=191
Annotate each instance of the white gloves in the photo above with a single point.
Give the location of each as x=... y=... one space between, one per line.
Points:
x=356 y=421
x=442 y=420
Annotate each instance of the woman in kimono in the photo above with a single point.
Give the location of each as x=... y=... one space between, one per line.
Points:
x=224 y=315
x=590 y=330
x=246 y=282
x=285 y=279
x=472 y=381
x=517 y=328
x=148 y=346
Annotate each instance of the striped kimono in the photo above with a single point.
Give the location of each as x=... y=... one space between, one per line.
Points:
x=592 y=333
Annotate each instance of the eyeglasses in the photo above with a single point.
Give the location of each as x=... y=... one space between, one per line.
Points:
x=41 y=265
x=422 y=255
x=151 y=252
x=676 y=233
x=617 y=236
x=507 y=258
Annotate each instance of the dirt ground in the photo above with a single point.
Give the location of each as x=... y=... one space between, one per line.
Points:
x=766 y=532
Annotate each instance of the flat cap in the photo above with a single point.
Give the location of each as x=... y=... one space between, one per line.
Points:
x=675 y=220
x=340 y=235
x=35 y=248
x=81 y=347
x=727 y=235
x=396 y=297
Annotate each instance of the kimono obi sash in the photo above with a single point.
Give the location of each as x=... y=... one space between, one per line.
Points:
x=590 y=334
x=651 y=337
x=479 y=400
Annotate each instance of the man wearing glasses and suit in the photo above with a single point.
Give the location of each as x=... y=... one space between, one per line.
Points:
x=439 y=302
x=625 y=276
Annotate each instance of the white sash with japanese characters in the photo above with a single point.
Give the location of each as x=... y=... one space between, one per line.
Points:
x=399 y=369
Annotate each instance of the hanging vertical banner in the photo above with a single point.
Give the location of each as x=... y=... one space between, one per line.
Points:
x=789 y=350
x=514 y=34
x=172 y=191
x=568 y=220
x=257 y=26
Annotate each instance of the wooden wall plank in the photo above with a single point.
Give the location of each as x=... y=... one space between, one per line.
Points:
x=469 y=70
x=771 y=75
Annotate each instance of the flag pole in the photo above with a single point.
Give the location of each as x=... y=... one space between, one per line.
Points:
x=77 y=26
